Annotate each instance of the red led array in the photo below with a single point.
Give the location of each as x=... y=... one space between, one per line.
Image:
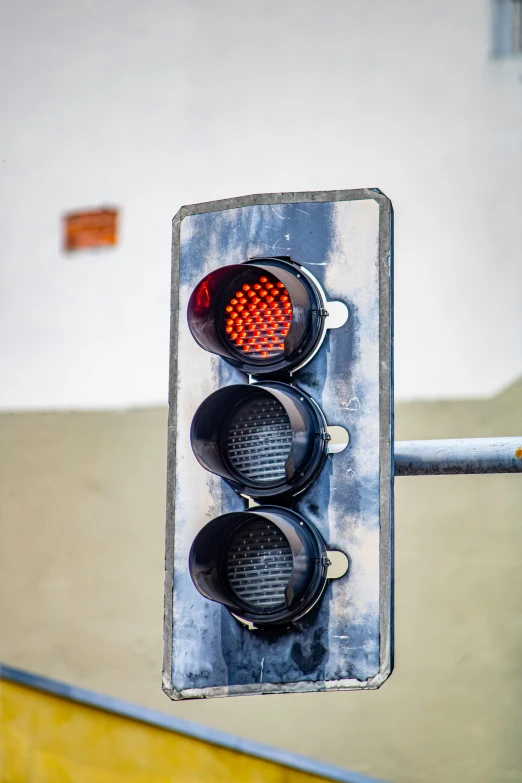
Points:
x=258 y=317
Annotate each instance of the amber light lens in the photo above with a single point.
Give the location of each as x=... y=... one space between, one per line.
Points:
x=258 y=316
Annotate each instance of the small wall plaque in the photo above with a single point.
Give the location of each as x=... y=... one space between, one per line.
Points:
x=90 y=228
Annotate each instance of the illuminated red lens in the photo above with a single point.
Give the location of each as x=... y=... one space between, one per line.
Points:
x=271 y=317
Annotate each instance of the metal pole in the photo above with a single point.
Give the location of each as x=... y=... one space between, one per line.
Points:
x=460 y=455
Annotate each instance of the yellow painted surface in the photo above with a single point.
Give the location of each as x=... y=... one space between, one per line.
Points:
x=46 y=739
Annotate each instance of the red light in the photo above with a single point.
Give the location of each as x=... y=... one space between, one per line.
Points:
x=203 y=297
x=265 y=309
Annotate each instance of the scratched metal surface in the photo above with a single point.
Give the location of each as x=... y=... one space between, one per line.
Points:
x=344 y=240
x=458 y=456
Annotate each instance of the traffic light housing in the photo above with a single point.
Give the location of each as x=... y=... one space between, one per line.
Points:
x=267 y=439
x=283 y=304
x=266 y=564
x=279 y=522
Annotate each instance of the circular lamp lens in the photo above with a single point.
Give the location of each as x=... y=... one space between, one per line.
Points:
x=259 y=439
x=258 y=317
x=259 y=564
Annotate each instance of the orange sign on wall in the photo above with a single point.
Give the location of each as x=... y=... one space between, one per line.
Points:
x=93 y=228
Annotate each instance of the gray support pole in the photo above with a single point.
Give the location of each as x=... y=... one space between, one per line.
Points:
x=460 y=455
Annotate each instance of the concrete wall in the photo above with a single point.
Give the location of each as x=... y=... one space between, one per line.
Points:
x=151 y=105
x=81 y=580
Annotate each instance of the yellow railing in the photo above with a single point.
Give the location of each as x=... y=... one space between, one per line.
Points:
x=54 y=733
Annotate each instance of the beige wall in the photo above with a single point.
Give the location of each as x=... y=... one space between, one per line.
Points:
x=81 y=581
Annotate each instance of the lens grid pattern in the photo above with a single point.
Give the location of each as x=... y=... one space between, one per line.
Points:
x=258 y=317
x=259 y=564
x=259 y=440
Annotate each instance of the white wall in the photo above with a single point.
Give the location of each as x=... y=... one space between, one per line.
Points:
x=152 y=105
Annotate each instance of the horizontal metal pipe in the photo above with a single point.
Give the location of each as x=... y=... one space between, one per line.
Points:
x=459 y=455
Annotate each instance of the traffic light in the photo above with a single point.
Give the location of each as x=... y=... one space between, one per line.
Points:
x=278 y=570
x=265 y=316
x=267 y=565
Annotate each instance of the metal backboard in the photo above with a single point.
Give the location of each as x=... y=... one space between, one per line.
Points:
x=345 y=239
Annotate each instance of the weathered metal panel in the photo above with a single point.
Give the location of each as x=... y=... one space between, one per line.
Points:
x=344 y=238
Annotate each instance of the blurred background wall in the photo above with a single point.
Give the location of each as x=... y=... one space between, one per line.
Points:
x=81 y=594
x=146 y=106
